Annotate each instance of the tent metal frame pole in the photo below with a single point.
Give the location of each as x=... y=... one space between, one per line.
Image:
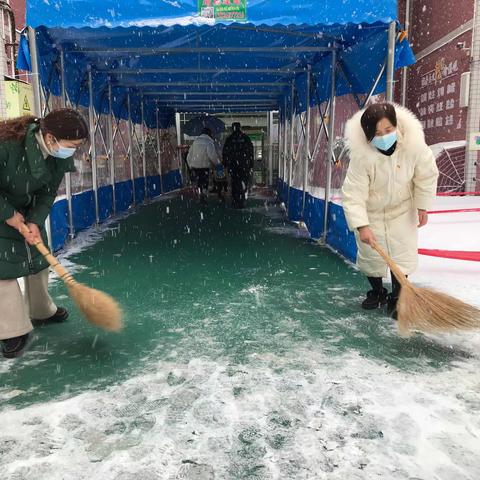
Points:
x=130 y=147
x=306 y=153
x=37 y=97
x=147 y=51
x=285 y=141
x=93 y=145
x=392 y=38
x=280 y=144
x=405 y=69
x=322 y=128
x=178 y=124
x=144 y=150
x=159 y=148
x=291 y=151
x=330 y=156
x=35 y=74
x=68 y=175
x=223 y=93
x=281 y=132
x=203 y=84
x=111 y=148
x=265 y=71
x=270 y=148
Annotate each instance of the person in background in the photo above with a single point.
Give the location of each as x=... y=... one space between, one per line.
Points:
x=390 y=185
x=201 y=156
x=34 y=156
x=238 y=159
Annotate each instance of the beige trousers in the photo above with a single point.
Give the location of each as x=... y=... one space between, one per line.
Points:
x=16 y=309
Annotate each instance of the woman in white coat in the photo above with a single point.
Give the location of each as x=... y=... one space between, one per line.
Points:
x=390 y=185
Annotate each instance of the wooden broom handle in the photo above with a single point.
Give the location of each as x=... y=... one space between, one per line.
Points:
x=60 y=270
x=399 y=275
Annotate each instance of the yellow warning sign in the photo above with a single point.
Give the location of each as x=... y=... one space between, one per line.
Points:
x=26 y=104
x=19 y=98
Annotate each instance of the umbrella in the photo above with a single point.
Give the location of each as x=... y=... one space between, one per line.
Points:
x=194 y=127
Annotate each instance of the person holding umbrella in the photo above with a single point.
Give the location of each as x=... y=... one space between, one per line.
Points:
x=34 y=156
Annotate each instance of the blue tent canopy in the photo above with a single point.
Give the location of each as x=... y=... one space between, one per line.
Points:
x=125 y=13
x=188 y=63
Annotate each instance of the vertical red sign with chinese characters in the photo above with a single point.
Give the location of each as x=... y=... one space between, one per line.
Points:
x=434 y=94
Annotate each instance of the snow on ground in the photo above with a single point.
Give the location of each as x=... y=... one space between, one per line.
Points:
x=301 y=414
x=451 y=231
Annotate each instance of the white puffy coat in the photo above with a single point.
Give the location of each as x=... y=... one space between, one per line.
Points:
x=385 y=192
x=202 y=153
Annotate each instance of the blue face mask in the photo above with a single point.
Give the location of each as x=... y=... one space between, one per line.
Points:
x=385 y=142
x=63 y=152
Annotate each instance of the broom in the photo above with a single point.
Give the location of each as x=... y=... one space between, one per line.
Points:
x=97 y=307
x=426 y=310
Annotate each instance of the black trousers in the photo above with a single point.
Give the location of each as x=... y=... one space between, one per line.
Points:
x=239 y=190
x=201 y=177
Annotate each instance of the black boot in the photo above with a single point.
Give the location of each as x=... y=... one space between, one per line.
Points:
x=58 y=317
x=377 y=296
x=14 y=347
x=392 y=306
x=393 y=298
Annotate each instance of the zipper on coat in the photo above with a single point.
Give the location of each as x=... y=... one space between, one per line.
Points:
x=29 y=256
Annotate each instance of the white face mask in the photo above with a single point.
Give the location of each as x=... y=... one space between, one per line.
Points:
x=63 y=152
x=385 y=142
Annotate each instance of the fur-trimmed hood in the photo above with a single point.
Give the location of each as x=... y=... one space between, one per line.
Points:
x=409 y=130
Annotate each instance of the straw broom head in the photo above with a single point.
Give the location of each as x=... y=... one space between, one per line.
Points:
x=427 y=310
x=97 y=307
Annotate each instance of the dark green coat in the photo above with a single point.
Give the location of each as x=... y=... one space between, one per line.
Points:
x=28 y=184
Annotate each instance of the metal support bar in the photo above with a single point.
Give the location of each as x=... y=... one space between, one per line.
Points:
x=211 y=93
x=130 y=147
x=144 y=151
x=37 y=97
x=93 y=146
x=264 y=71
x=392 y=38
x=270 y=148
x=405 y=69
x=178 y=125
x=68 y=175
x=35 y=75
x=323 y=128
x=306 y=155
x=111 y=148
x=228 y=101
x=330 y=157
x=341 y=68
x=291 y=152
x=159 y=150
x=285 y=142
x=211 y=83
x=212 y=50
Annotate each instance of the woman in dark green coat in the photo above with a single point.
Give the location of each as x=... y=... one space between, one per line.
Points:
x=34 y=156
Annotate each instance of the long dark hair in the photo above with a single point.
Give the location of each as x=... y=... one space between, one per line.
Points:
x=63 y=124
x=373 y=114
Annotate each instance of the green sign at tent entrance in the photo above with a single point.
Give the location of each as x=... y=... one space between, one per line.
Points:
x=233 y=10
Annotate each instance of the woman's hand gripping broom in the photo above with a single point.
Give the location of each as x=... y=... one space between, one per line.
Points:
x=97 y=307
x=423 y=309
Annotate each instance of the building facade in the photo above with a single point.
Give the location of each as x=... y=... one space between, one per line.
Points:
x=436 y=88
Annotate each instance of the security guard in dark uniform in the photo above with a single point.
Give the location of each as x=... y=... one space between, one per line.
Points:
x=238 y=160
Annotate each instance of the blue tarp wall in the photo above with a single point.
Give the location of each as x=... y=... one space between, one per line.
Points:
x=83 y=204
x=339 y=236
